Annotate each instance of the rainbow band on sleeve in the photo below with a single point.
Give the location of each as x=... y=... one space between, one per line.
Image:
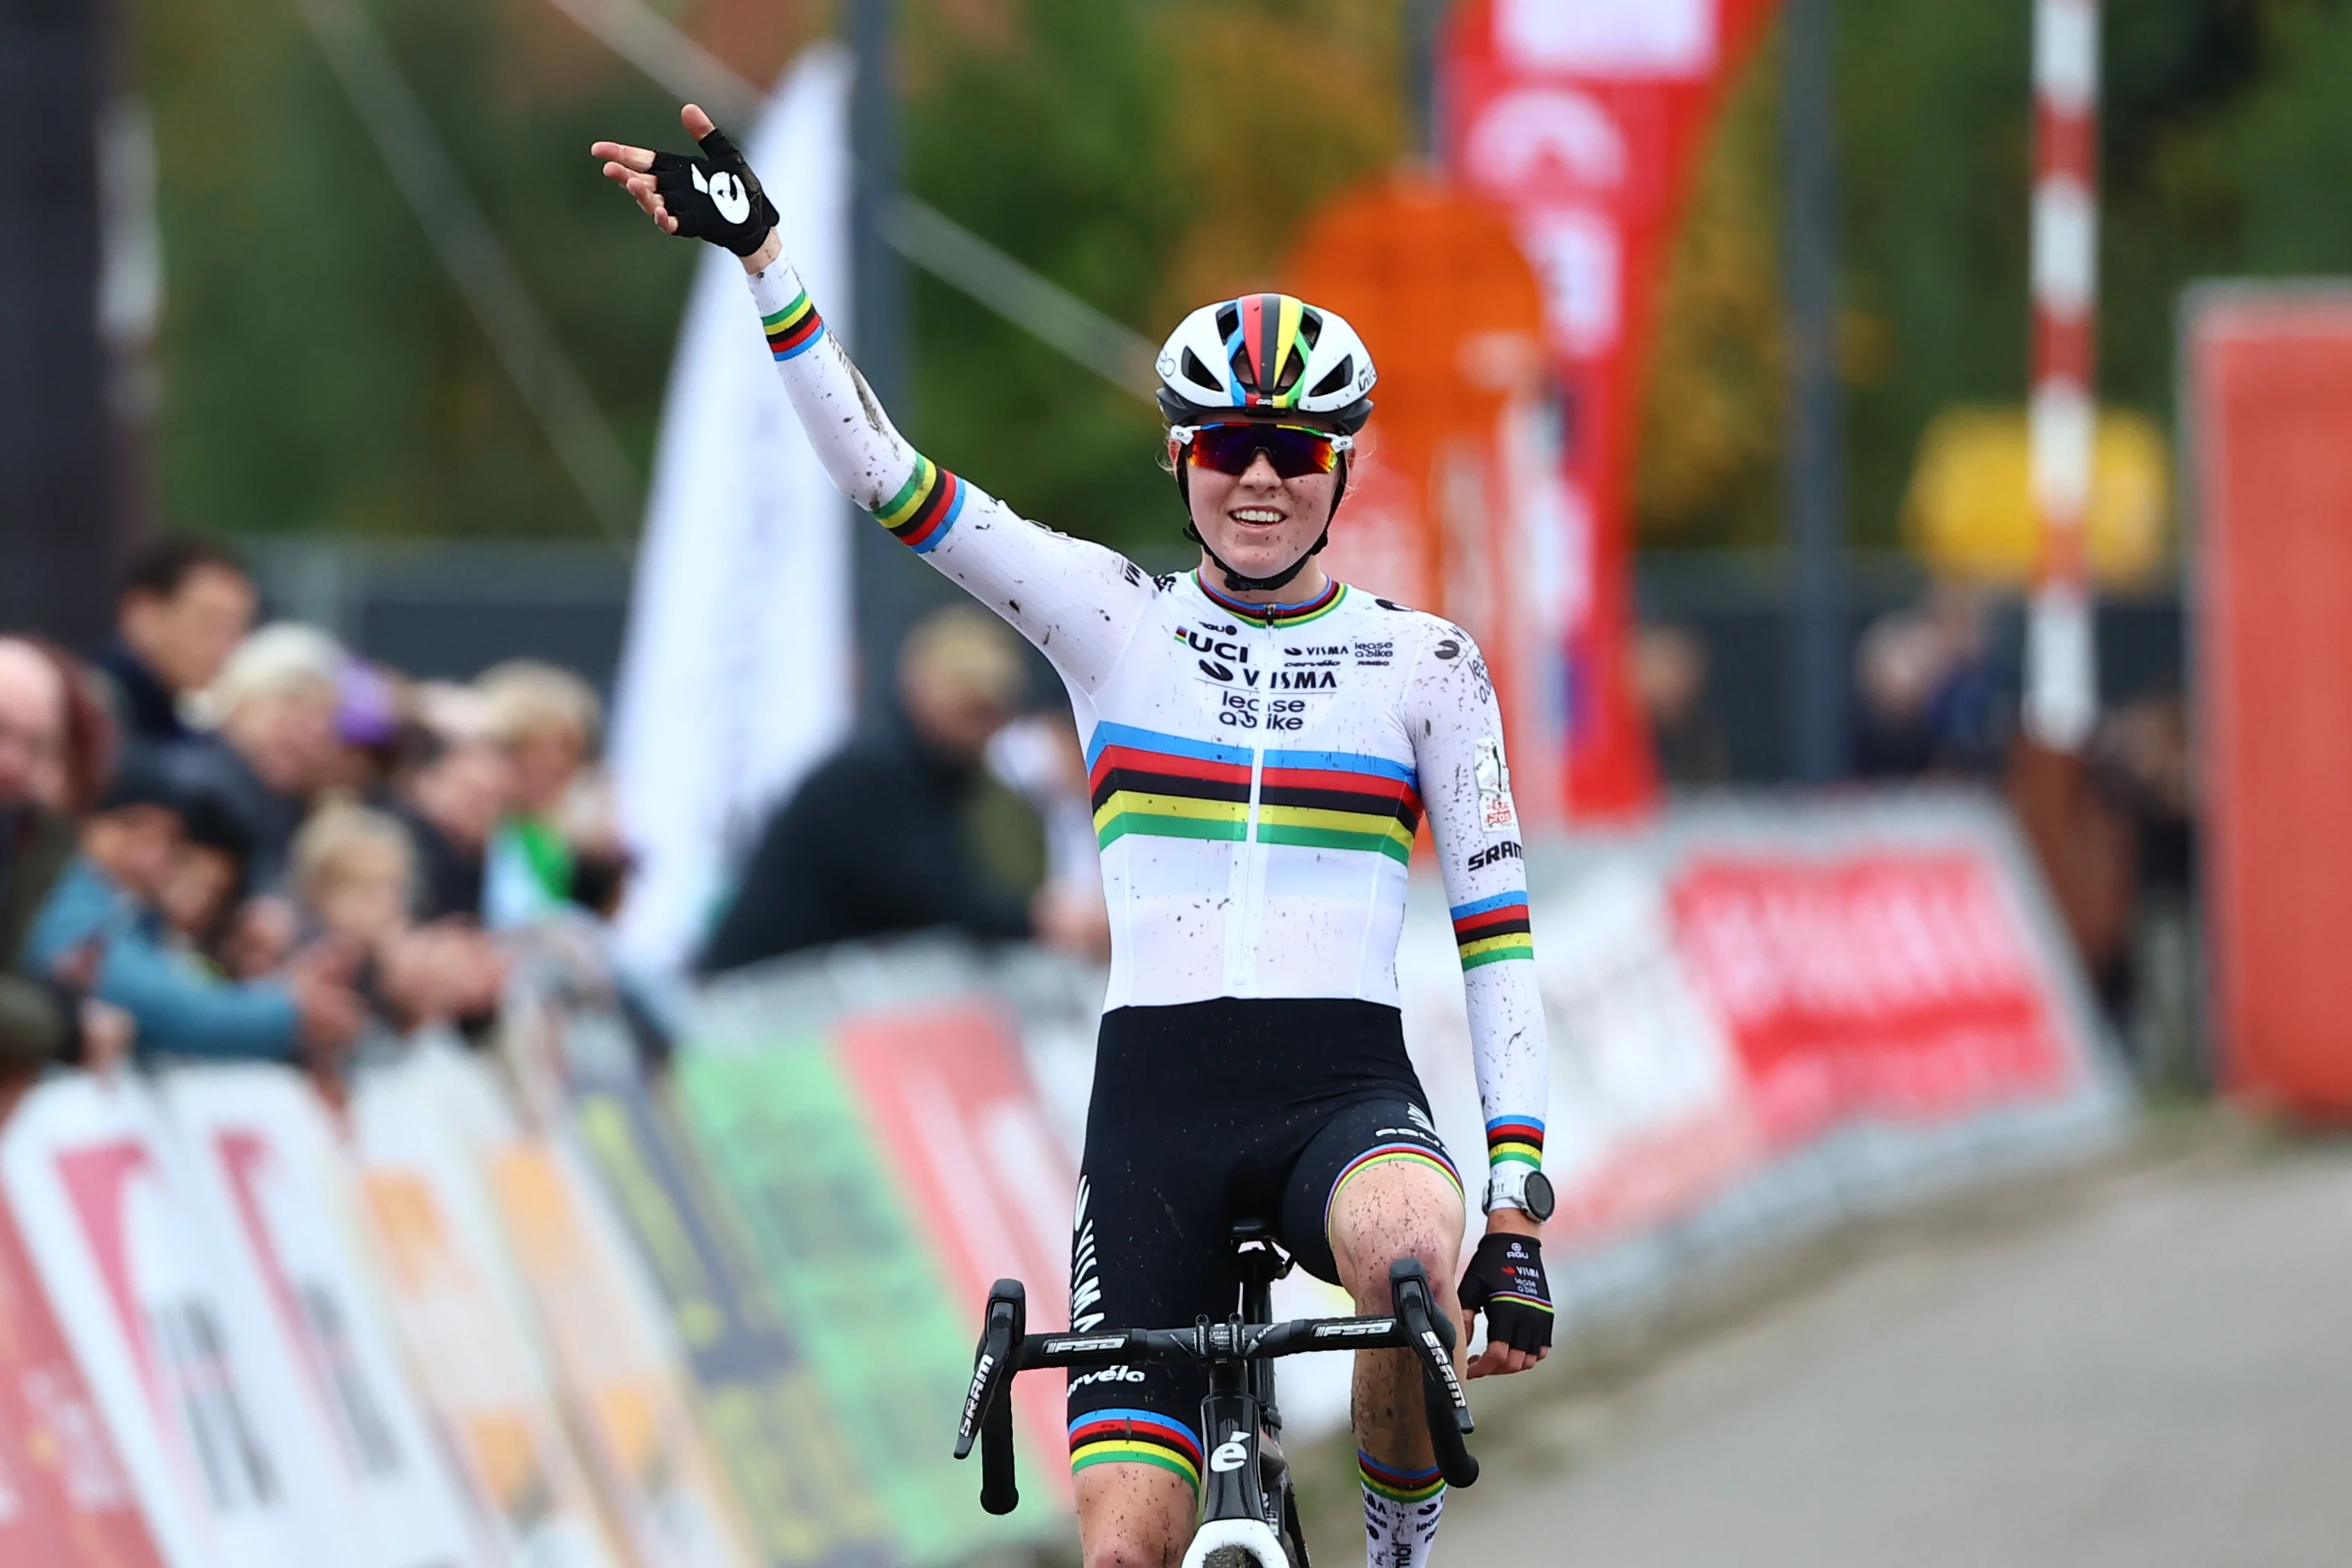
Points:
x=1492 y=930
x=925 y=508
x=794 y=329
x=1518 y=1137
x=1396 y=1483
x=1135 y=1437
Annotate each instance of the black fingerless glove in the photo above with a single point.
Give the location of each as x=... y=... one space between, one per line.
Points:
x=1506 y=1281
x=716 y=196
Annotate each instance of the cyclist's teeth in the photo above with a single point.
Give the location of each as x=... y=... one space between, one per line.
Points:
x=1256 y=514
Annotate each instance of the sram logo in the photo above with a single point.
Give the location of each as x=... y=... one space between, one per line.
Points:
x=1494 y=855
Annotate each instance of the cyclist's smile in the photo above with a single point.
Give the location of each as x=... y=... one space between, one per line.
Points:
x=1257 y=520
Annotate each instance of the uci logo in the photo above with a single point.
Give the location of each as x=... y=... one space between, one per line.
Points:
x=727 y=194
x=1230 y=1455
x=1200 y=644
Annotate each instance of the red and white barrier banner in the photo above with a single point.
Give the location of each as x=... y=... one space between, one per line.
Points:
x=268 y=1167
x=950 y=1098
x=65 y=1497
x=1893 y=982
x=464 y=1326
x=127 y=1259
x=1740 y=987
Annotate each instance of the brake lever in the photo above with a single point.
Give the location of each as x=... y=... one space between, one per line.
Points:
x=1445 y=1404
x=988 y=1408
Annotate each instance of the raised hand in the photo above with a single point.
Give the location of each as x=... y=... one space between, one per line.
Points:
x=715 y=197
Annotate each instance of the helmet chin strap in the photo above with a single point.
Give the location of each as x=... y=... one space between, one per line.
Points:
x=1241 y=583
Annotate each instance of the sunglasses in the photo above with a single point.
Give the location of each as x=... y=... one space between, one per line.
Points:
x=1295 y=450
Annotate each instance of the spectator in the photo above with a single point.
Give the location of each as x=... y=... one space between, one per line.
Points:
x=884 y=836
x=276 y=746
x=369 y=729
x=101 y=919
x=1670 y=680
x=1897 y=672
x=1970 y=714
x=1038 y=757
x=185 y=606
x=2141 y=756
x=38 y=1016
x=353 y=868
x=558 y=843
x=451 y=786
x=206 y=880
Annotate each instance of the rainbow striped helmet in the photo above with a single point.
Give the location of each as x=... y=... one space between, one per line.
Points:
x=1271 y=352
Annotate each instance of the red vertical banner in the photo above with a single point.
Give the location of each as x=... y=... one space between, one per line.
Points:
x=1585 y=120
x=2268 y=398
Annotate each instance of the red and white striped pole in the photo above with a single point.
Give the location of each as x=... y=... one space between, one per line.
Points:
x=2061 y=666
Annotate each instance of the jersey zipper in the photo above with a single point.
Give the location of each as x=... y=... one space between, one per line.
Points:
x=1241 y=956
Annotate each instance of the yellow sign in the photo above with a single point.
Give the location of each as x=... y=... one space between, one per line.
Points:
x=1969 y=511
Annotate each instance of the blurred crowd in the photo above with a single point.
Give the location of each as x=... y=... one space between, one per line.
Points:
x=231 y=840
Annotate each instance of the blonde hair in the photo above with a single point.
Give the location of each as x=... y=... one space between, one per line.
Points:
x=966 y=647
x=524 y=696
x=280 y=658
x=335 y=830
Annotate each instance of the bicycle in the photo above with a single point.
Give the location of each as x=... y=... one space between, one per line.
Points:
x=1249 y=1516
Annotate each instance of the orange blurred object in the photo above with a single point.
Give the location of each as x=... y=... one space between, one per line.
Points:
x=1447 y=510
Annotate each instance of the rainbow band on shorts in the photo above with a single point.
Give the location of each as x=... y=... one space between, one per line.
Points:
x=792 y=330
x=1135 y=1437
x=1388 y=1154
x=1518 y=1137
x=1397 y=1484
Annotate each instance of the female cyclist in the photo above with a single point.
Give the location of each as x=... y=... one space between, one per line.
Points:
x=1264 y=744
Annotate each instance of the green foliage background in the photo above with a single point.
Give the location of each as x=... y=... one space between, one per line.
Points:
x=321 y=375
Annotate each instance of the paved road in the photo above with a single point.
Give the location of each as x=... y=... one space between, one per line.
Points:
x=2158 y=1375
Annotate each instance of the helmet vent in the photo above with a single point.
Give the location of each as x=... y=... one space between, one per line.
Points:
x=1229 y=322
x=1199 y=374
x=1341 y=374
x=1294 y=370
x=1244 y=374
x=1310 y=327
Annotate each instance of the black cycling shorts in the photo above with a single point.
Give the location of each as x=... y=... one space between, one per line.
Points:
x=1204 y=1114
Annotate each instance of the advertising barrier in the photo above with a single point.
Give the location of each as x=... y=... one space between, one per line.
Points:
x=65 y=1497
x=552 y=1306
x=265 y=1166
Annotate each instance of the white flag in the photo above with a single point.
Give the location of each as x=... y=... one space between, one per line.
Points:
x=736 y=675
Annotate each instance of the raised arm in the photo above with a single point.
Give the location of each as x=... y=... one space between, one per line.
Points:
x=1078 y=602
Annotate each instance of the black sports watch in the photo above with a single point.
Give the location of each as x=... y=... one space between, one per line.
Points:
x=1522 y=1187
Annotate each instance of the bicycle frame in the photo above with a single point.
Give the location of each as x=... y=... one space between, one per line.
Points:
x=1236 y=1525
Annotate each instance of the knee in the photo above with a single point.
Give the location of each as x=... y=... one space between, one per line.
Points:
x=1427 y=1245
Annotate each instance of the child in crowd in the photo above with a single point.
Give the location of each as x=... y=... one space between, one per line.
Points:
x=353 y=873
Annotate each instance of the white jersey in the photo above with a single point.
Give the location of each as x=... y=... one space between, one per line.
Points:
x=1258 y=772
